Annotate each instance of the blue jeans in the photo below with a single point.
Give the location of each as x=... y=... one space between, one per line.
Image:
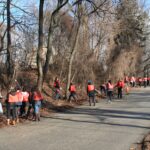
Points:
x=37 y=107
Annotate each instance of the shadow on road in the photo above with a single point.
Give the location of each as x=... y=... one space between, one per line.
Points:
x=103 y=114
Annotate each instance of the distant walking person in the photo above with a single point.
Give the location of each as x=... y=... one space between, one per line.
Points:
x=145 y=82
x=91 y=93
x=120 y=85
x=133 y=81
x=57 y=89
x=72 y=90
x=110 y=88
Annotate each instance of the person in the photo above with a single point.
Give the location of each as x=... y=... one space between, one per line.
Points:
x=120 y=86
x=91 y=93
x=19 y=102
x=145 y=82
x=140 y=81
x=25 y=103
x=72 y=90
x=31 y=104
x=103 y=88
x=148 y=81
x=132 y=81
x=57 y=88
x=110 y=88
x=11 y=101
x=37 y=97
x=126 y=79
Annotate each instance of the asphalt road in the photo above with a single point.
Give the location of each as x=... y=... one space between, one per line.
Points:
x=106 y=126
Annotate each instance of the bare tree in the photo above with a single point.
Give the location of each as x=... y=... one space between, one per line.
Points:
x=60 y=5
x=9 y=62
x=40 y=46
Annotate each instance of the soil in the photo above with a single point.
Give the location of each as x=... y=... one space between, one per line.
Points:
x=144 y=145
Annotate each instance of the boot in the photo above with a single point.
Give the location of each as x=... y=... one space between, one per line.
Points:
x=17 y=120
x=38 y=117
x=8 y=121
x=13 y=123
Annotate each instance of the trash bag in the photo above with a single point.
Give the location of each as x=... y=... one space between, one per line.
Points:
x=1 y=108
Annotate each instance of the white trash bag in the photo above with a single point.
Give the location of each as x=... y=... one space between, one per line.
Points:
x=1 y=108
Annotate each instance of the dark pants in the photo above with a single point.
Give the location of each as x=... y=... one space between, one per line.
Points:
x=140 y=84
x=72 y=95
x=119 y=92
x=24 y=108
x=102 y=89
x=31 y=107
x=110 y=94
x=145 y=84
x=92 y=100
x=57 y=94
x=11 y=110
x=18 y=107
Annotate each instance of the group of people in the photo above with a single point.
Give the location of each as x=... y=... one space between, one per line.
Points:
x=106 y=89
x=24 y=102
x=21 y=102
x=137 y=81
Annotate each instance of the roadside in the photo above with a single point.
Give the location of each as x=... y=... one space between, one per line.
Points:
x=106 y=126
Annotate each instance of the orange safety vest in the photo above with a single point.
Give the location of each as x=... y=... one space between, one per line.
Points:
x=91 y=88
x=120 y=84
x=12 y=98
x=110 y=86
x=20 y=96
x=25 y=96
x=37 y=96
x=72 y=88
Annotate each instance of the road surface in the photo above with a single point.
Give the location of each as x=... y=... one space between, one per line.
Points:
x=106 y=126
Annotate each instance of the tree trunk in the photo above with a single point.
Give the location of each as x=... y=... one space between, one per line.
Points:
x=8 y=62
x=60 y=5
x=49 y=48
x=73 y=51
x=40 y=47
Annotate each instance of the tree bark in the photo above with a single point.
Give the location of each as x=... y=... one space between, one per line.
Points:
x=40 y=47
x=8 y=62
x=60 y=5
x=73 y=52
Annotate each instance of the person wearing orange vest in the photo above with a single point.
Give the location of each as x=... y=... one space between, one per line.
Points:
x=11 y=106
x=37 y=97
x=91 y=93
x=19 y=102
x=72 y=90
x=145 y=82
x=120 y=86
x=110 y=88
x=25 y=102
